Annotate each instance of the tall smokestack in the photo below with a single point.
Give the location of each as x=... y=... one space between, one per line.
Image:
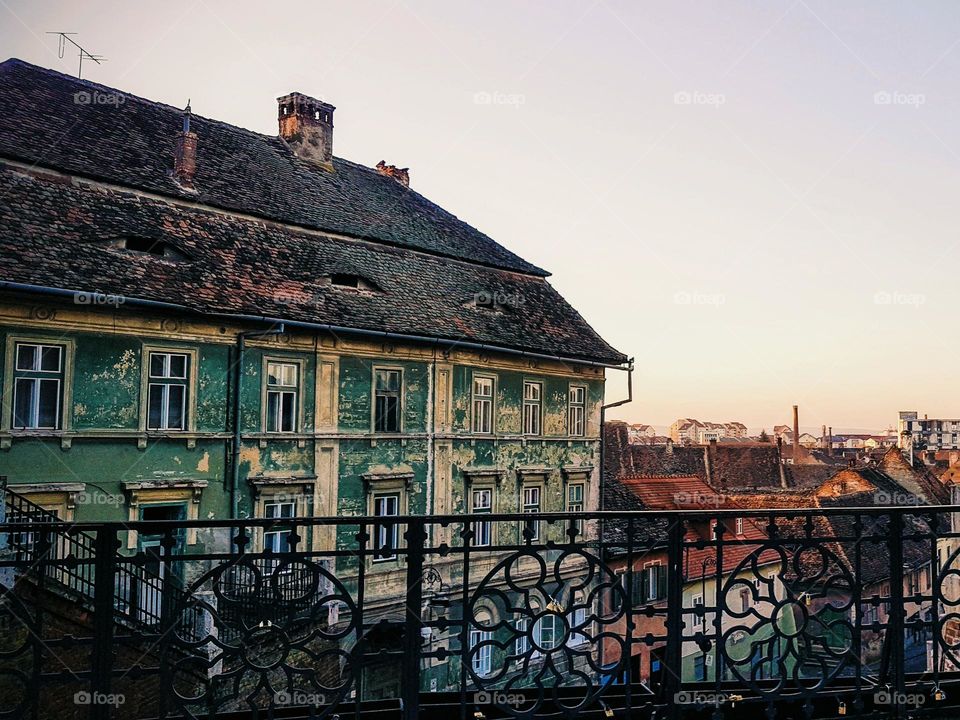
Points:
x=830 y=441
x=796 y=434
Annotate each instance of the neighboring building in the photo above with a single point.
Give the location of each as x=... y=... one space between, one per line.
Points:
x=201 y=321
x=925 y=435
x=685 y=430
x=690 y=430
x=640 y=433
x=809 y=441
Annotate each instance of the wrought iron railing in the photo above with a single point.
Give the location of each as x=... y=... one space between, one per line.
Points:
x=772 y=613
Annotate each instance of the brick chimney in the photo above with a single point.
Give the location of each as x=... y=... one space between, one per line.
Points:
x=307 y=125
x=185 y=153
x=796 y=434
x=401 y=175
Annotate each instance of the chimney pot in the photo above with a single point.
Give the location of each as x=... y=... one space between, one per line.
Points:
x=401 y=175
x=307 y=125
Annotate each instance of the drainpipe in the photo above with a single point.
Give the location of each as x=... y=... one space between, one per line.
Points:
x=603 y=420
x=237 y=380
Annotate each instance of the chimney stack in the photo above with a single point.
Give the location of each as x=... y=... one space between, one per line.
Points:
x=401 y=175
x=830 y=441
x=307 y=125
x=796 y=435
x=185 y=153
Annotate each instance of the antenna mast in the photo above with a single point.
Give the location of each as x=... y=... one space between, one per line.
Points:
x=84 y=55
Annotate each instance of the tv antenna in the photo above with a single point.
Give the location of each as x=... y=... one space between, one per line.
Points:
x=84 y=55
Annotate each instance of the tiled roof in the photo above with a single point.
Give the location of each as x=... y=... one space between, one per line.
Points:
x=429 y=266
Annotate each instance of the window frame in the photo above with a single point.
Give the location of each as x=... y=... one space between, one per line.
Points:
x=189 y=383
x=476 y=525
x=484 y=655
x=64 y=376
x=530 y=403
x=373 y=398
x=537 y=535
x=385 y=494
x=298 y=392
x=572 y=406
x=570 y=505
x=483 y=398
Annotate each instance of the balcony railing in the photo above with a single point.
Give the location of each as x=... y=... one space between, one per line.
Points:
x=772 y=613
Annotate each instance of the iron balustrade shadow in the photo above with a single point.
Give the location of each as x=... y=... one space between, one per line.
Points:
x=776 y=613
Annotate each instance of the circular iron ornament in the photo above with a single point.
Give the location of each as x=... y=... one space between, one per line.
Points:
x=535 y=626
x=946 y=589
x=264 y=632
x=785 y=619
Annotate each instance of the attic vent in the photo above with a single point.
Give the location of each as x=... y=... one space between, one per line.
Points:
x=144 y=245
x=148 y=246
x=352 y=282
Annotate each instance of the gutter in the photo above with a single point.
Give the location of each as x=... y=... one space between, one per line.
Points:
x=335 y=329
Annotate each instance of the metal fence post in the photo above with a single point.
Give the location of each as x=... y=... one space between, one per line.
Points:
x=104 y=573
x=673 y=657
x=895 y=624
x=410 y=686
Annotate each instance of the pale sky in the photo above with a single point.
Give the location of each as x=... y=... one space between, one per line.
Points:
x=757 y=200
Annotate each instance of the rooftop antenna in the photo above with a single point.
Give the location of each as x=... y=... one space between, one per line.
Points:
x=84 y=55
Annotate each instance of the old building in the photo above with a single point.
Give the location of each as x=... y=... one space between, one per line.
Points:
x=200 y=321
x=927 y=435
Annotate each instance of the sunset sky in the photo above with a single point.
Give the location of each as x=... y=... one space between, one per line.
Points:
x=756 y=200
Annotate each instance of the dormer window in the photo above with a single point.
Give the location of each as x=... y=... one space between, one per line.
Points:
x=352 y=282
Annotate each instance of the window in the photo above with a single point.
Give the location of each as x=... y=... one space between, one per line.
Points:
x=167 y=391
x=700 y=668
x=482 y=404
x=576 y=410
x=481 y=655
x=386 y=401
x=385 y=536
x=697 y=608
x=481 y=503
x=38 y=379
x=745 y=598
x=545 y=633
x=532 y=393
x=282 y=386
x=575 y=503
x=578 y=621
x=655 y=582
x=531 y=504
x=739 y=526
x=277 y=540
x=522 y=644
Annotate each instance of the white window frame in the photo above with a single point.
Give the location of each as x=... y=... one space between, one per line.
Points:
x=163 y=381
x=521 y=644
x=384 y=532
x=532 y=408
x=540 y=625
x=578 y=506
x=280 y=390
x=35 y=380
x=698 y=620
x=481 y=401
x=482 y=660
x=189 y=383
x=577 y=410
x=527 y=506
x=739 y=526
x=579 y=615
x=483 y=530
